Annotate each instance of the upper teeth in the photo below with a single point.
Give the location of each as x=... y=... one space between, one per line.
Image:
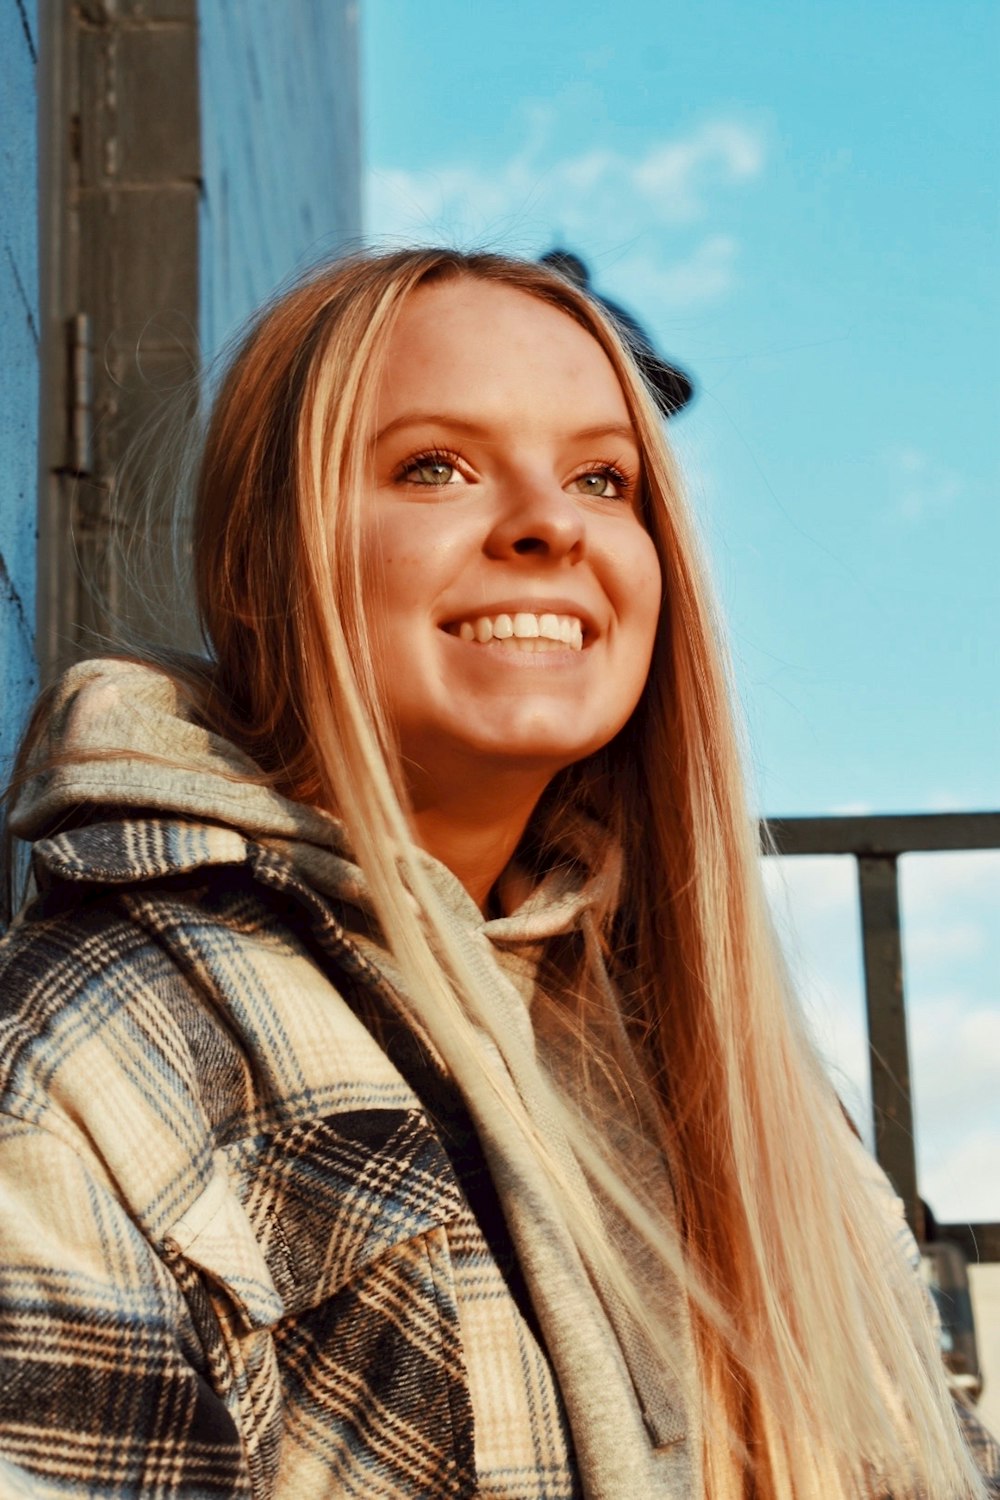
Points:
x=524 y=626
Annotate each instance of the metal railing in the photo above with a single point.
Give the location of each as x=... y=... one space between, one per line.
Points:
x=876 y=842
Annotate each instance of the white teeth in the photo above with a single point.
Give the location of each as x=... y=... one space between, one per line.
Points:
x=564 y=630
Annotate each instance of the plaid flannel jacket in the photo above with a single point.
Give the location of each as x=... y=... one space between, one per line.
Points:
x=235 y=1258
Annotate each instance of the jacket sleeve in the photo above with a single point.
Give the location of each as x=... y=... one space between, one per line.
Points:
x=982 y=1446
x=104 y=1385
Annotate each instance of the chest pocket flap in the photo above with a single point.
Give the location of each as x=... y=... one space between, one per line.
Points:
x=297 y=1212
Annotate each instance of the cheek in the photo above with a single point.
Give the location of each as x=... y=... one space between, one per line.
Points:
x=395 y=570
x=641 y=584
x=414 y=551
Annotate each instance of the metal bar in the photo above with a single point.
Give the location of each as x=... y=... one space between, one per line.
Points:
x=876 y=841
x=981 y=1242
x=888 y=833
x=892 y=1109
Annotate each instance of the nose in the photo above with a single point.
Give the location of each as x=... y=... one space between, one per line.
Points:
x=540 y=520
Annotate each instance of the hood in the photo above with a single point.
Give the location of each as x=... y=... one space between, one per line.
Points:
x=120 y=736
x=125 y=786
x=121 y=749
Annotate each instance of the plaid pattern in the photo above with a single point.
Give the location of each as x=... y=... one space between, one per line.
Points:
x=234 y=1257
x=981 y=1443
x=985 y=1450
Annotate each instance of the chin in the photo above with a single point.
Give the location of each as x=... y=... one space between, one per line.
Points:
x=539 y=754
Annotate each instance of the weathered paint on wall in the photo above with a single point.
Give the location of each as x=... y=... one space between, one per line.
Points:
x=19 y=364
x=280 y=148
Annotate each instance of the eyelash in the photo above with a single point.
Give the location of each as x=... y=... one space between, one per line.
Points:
x=623 y=484
x=428 y=456
x=423 y=459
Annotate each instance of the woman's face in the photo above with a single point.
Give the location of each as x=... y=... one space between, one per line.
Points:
x=517 y=590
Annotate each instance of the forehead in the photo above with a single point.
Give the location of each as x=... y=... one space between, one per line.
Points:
x=467 y=339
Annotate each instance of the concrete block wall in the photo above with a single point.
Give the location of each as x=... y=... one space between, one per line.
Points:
x=198 y=153
x=280 y=149
x=130 y=252
x=19 y=356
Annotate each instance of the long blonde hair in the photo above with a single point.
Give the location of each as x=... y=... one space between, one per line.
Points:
x=817 y=1370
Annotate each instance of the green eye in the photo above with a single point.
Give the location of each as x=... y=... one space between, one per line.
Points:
x=605 y=483
x=593 y=484
x=430 y=471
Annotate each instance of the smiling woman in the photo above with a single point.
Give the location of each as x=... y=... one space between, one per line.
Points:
x=400 y=1090
x=498 y=522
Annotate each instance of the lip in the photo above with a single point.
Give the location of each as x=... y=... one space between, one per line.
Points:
x=521 y=605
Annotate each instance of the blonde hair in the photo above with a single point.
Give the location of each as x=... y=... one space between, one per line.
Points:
x=817 y=1371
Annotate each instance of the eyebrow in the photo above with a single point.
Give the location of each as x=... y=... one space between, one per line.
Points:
x=477 y=430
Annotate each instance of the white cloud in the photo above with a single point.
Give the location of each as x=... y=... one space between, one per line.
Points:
x=962 y=1184
x=605 y=203
x=705 y=275
x=952 y=951
x=922 y=487
x=955 y=1059
x=677 y=175
x=968 y=875
x=944 y=941
x=815 y=904
x=950 y=904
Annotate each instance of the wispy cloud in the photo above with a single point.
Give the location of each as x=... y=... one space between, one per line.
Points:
x=679 y=176
x=815 y=905
x=956 y=1063
x=958 y=1181
x=705 y=275
x=952 y=954
x=608 y=204
x=921 y=487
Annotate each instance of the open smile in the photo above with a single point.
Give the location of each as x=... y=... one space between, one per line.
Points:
x=523 y=629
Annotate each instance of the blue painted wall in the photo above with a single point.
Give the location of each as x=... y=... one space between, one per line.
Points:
x=281 y=168
x=280 y=148
x=19 y=342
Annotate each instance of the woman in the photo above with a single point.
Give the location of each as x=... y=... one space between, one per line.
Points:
x=401 y=1093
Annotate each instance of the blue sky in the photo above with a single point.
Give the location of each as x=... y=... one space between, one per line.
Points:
x=801 y=205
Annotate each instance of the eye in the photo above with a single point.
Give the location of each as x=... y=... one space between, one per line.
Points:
x=431 y=469
x=604 y=482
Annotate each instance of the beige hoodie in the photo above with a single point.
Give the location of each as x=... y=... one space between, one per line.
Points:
x=124 y=741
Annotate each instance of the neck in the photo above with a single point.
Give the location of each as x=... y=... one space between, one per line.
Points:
x=475 y=833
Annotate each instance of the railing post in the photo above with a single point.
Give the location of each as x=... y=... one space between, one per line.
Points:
x=889 y=1059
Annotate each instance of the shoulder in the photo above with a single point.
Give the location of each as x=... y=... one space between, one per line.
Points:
x=104 y=937
x=151 y=1021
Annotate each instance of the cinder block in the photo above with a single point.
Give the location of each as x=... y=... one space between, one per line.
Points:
x=139 y=255
x=97 y=12
x=96 y=111
x=157 y=117
x=156 y=251
x=158 y=10
x=138 y=104
x=111 y=13
x=155 y=394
